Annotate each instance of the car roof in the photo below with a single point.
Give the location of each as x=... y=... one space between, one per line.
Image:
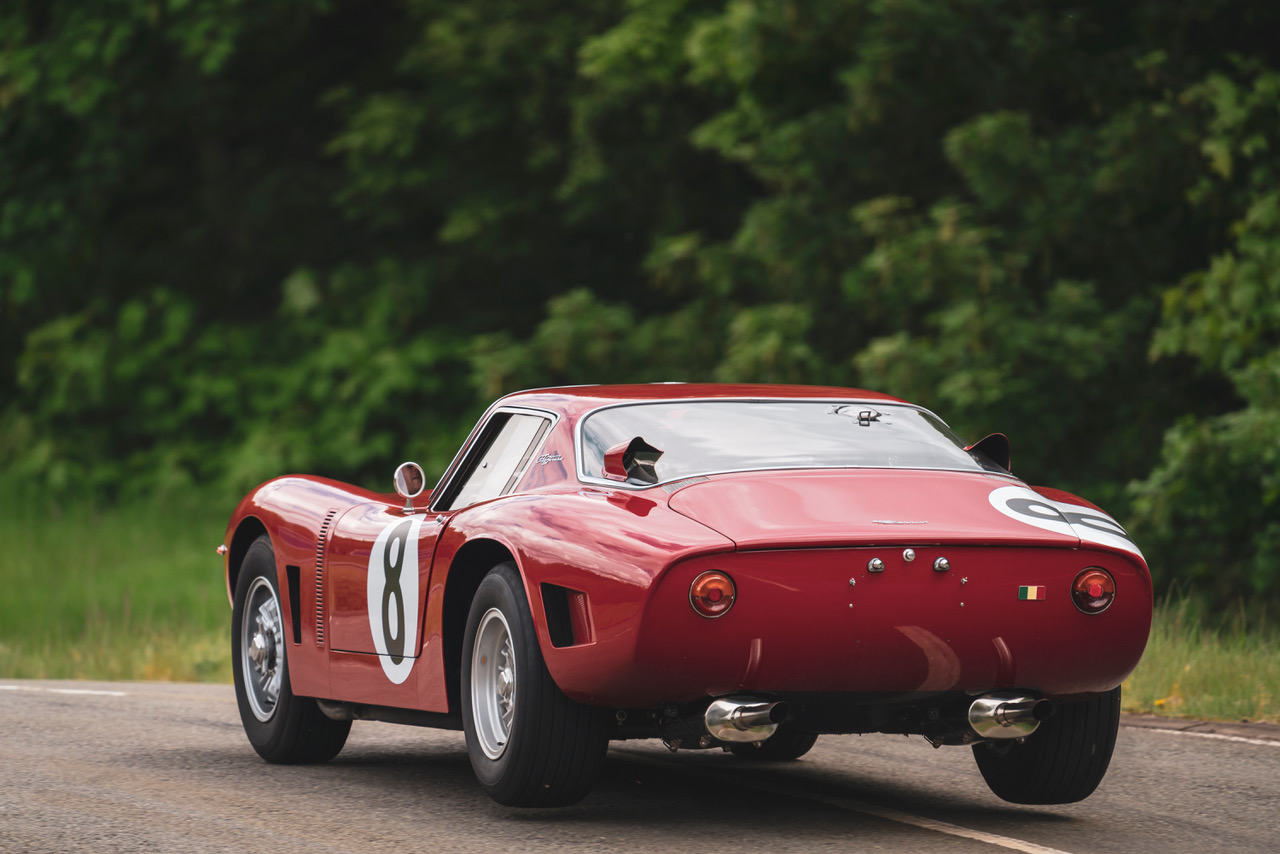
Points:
x=578 y=400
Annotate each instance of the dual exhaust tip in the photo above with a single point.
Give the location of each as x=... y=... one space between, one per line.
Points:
x=744 y=720
x=1007 y=715
x=998 y=716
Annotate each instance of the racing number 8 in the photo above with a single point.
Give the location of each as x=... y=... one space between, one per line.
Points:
x=393 y=560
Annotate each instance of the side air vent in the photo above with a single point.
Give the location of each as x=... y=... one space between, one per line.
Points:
x=320 y=544
x=293 y=575
x=568 y=618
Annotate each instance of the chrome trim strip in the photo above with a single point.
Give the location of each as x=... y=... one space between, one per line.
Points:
x=677 y=485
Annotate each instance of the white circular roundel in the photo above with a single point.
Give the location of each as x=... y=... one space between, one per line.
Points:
x=392 y=590
x=1074 y=520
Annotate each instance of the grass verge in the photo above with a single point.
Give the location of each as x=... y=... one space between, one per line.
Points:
x=97 y=591
x=1201 y=665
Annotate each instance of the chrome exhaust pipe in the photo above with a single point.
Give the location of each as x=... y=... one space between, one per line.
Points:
x=744 y=719
x=1000 y=716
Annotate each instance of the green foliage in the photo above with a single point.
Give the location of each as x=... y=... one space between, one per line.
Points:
x=243 y=238
x=335 y=382
x=1212 y=506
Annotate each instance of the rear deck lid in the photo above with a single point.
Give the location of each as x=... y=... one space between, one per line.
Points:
x=765 y=510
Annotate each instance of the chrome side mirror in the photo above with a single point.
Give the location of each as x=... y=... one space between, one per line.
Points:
x=410 y=481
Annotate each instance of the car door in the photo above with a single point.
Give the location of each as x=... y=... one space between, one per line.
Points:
x=377 y=569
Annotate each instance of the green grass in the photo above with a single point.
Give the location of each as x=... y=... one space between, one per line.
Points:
x=94 y=591
x=1224 y=667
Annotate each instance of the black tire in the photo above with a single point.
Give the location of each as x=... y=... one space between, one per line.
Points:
x=1062 y=762
x=282 y=728
x=784 y=745
x=530 y=745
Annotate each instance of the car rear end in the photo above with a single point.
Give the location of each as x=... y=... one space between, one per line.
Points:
x=884 y=574
x=899 y=619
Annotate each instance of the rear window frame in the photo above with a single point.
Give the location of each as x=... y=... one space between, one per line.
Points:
x=585 y=478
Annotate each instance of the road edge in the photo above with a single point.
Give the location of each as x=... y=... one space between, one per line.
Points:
x=1235 y=729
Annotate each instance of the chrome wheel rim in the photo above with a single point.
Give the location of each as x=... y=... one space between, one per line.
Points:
x=262 y=649
x=493 y=683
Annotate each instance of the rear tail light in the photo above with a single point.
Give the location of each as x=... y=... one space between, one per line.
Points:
x=712 y=594
x=1093 y=590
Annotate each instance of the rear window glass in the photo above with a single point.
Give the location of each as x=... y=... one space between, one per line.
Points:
x=704 y=437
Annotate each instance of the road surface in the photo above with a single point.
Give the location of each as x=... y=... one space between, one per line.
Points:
x=155 y=767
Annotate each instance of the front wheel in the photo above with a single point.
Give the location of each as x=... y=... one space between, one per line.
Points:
x=1062 y=762
x=282 y=728
x=530 y=745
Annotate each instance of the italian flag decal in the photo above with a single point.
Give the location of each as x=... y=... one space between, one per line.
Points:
x=1033 y=592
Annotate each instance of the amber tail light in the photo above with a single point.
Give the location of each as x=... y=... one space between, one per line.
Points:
x=1093 y=591
x=712 y=594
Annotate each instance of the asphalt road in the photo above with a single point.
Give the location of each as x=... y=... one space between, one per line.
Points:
x=113 y=767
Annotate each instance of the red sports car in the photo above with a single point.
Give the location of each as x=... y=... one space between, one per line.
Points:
x=744 y=567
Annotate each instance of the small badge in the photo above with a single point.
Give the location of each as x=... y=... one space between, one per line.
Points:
x=1035 y=591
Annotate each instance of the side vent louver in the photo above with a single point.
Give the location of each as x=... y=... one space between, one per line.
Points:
x=677 y=485
x=320 y=543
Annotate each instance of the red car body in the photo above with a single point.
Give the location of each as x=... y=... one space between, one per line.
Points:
x=973 y=593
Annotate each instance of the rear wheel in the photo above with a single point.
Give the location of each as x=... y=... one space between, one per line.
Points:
x=783 y=745
x=1062 y=762
x=281 y=727
x=530 y=745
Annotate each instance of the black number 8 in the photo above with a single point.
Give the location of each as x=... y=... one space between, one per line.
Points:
x=393 y=560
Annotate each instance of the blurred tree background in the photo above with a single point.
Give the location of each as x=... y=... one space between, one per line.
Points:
x=243 y=238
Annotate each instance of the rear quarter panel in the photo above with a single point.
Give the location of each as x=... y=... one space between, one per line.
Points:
x=611 y=546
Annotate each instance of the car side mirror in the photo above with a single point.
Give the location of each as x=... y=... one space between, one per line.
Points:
x=632 y=460
x=995 y=448
x=410 y=481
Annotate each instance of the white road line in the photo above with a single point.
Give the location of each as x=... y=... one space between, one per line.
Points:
x=912 y=820
x=868 y=809
x=38 y=690
x=86 y=691
x=1240 y=739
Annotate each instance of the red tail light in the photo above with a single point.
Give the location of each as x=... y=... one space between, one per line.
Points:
x=712 y=594
x=1093 y=590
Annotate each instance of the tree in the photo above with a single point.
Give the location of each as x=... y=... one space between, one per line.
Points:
x=1212 y=506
